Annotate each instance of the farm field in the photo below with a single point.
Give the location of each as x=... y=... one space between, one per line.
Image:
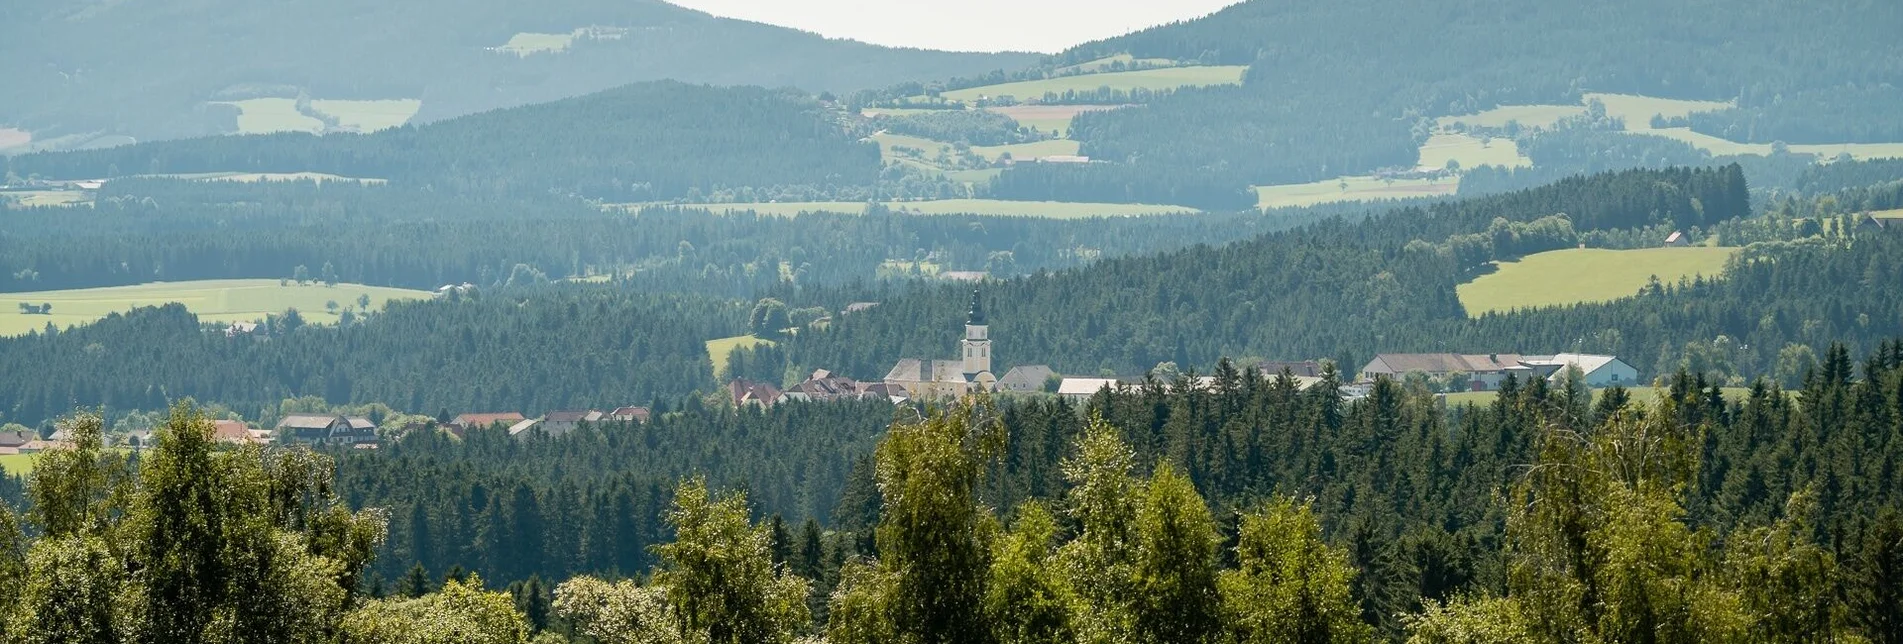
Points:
x=1358 y=189
x=17 y=464
x=1101 y=64
x=1048 y=118
x=1151 y=79
x=718 y=349
x=1638 y=110
x=1575 y=276
x=212 y=300
x=997 y=207
x=369 y=116
x=31 y=198
x=1888 y=214
x=14 y=138
x=1471 y=152
x=267 y=115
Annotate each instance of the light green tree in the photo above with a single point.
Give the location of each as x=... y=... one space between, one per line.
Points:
x=621 y=612
x=1176 y=563
x=461 y=613
x=1028 y=601
x=719 y=572
x=1289 y=585
x=1099 y=562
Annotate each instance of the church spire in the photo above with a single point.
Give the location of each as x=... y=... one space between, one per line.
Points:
x=976 y=317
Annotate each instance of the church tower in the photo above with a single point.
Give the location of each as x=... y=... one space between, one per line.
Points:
x=977 y=342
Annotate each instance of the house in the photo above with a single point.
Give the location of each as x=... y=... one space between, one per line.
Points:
x=1479 y=372
x=1081 y=389
x=17 y=438
x=927 y=379
x=1677 y=239
x=235 y=432
x=1600 y=371
x=463 y=423
x=244 y=330
x=747 y=392
x=1300 y=369
x=824 y=386
x=333 y=429
x=1025 y=378
x=557 y=423
x=630 y=414
x=890 y=392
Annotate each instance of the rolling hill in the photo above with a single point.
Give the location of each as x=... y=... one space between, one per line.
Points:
x=78 y=71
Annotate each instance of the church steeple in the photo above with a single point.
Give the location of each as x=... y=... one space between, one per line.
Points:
x=977 y=343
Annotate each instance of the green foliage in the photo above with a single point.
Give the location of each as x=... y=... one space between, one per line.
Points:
x=1027 y=600
x=720 y=575
x=1175 y=575
x=1289 y=585
x=972 y=127
x=621 y=612
x=462 y=613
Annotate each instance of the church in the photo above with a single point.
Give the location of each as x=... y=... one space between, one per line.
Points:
x=926 y=379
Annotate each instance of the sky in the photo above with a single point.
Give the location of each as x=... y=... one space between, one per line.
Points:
x=1046 y=26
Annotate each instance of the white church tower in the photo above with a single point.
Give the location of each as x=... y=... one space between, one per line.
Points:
x=977 y=342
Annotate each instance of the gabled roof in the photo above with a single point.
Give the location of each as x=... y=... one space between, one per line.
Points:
x=587 y=415
x=1586 y=362
x=1084 y=386
x=360 y=423
x=487 y=419
x=639 y=414
x=307 y=421
x=1031 y=376
x=523 y=426
x=17 y=438
x=231 y=431
x=1401 y=363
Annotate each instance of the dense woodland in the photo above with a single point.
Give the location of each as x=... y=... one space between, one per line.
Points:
x=691 y=140
x=1245 y=510
x=130 y=55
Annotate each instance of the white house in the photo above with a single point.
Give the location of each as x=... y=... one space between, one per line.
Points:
x=1600 y=371
x=1079 y=389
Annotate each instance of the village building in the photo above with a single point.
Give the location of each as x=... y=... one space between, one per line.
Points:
x=334 y=429
x=927 y=379
x=1081 y=389
x=462 y=424
x=746 y=392
x=1026 y=378
x=1485 y=372
x=630 y=414
x=1678 y=239
x=234 y=432
x=1598 y=370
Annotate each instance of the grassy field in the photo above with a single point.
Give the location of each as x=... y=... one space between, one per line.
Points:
x=717 y=350
x=267 y=115
x=1358 y=189
x=1101 y=64
x=1531 y=116
x=1151 y=79
x=1048 y=118
x=211 y=300
x=1888 y=214
x=1585 y=275
x=1641 y=395
x=1471 y=152
x=17 y=464
x=369 y=116
x=1639 y=110
x=998 y=207
x=14 y=138
x=524 y=44
x=30 y=198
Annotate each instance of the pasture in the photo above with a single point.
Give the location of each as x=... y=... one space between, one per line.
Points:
x=31 y=198
x=1576 y=276
x=1105 y=63
x=1471 y=152
x=369 y=116
x=221 y=301
x=1150 y=79
x=14 y=138
x=1529 y=116
x=993 y=207
x=1888 y=214
x=1639 y=110
x=1350 y=189
x=1048 y=118
x=718 y=349
x=17 y=464
x=267 y=115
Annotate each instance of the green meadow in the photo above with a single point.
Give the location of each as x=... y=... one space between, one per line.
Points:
x=718 y=349
x=1575 y=276
x=212 y=300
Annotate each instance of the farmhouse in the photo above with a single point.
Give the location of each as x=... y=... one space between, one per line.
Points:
x=1599 y=371
x=1486 y=372
x=630 y=414
x=1677 y=239
x=1081 y=389
x=326 y=428
x=746 y=392
x=1026 y=378
x=13 y=440
x=235 y=432
x=928 y=379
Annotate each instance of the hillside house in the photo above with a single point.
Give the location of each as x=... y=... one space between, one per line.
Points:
x=332 y=429
x=1678 y=239
x=1299 y=369
x=1599 y=371
x=558 y=423
x=630 y=414
x=462 y=423
x=13 y=440
x=1476 y=372
x=234 y=432
x=1078 y=390
x=824 y=386
x=1026 y=378
x=746 y=392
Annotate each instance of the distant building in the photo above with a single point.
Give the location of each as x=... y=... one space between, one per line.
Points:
x=15 y=439
x=1678 y=239
x=235 y=432
x=1478 y=372
x=559 y=423
x=462 y=424
x=244 y=329
x=333 y=429
x=630 y=414
x=928 y=379
x=1599 y=371
x=1063 y=158
x=1300 y=369
x=1026 y=378
x=856 y=307
x=746 y=392
x=1081 y=389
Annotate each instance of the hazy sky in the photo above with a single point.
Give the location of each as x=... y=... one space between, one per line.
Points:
x=964 y=25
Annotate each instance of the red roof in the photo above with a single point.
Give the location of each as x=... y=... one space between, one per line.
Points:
x=231 y=431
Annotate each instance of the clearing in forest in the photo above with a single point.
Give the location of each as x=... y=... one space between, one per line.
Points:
x=1150 y=79
x=1049 y=118
x=1298 y=195
x=1576 y=276
x=235 y=300
x=268 y=115
x=717 y=350
x=369 y=116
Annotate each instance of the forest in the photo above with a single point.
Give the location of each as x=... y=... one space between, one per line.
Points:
x=693 y=139
x=1245 y=510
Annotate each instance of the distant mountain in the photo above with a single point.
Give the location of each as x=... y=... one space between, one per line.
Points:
x=156 y=70
x=1346 y=87
x=646 y=141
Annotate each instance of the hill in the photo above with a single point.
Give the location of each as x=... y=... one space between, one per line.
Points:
x=640 y=142
x=155 y=70
x=1347 y=88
